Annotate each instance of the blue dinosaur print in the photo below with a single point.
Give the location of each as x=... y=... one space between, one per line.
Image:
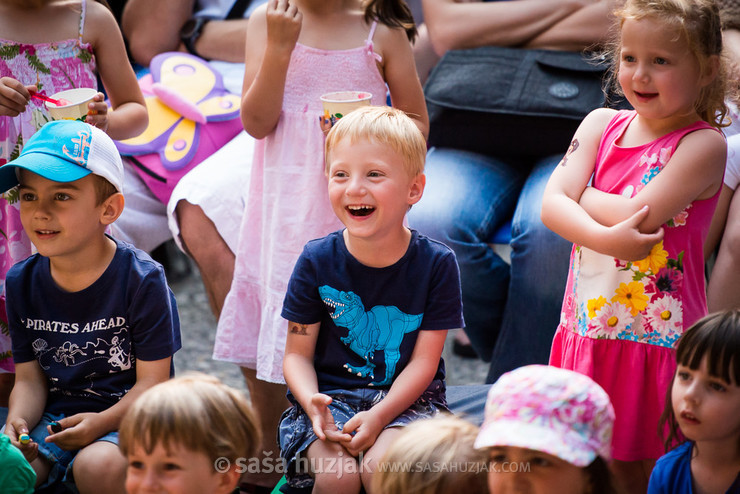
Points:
x=379 y=329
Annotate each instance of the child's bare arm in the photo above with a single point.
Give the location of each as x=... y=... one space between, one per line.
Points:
x=83 y=428
x=27 y=402
x=129 y=117
x=405 y=390
x=271 y=37
x=562 y=213
x=399 y=72
x=300 y=376
x=694 y=172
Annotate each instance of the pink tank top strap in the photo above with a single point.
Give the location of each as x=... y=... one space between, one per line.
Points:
x=369 y=43
x=83 y=10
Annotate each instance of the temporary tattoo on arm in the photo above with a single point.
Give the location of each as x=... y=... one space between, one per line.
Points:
x=571 y=149
x=296 y=328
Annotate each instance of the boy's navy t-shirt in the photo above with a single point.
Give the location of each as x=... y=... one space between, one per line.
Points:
x=370 y=317
x=87 y=342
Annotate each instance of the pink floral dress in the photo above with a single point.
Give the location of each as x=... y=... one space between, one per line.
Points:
x=620 y=319
x=52 y=67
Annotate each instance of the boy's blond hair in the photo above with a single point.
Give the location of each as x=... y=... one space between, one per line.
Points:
x=195 y=411
x=384 y=125
x=433 y=456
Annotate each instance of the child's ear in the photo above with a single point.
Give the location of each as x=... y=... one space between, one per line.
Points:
x=416 y=188
x=228 y=480
x=111 y=208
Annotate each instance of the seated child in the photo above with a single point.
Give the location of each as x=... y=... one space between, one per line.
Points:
x=434 y=456
x=368 y=309
x=187 y=435
x=547 y=430
x=704 y=405
x=92 y=321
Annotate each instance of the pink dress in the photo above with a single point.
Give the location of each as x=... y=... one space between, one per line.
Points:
x=620 y=319
x=287 y=204
x=52 y=67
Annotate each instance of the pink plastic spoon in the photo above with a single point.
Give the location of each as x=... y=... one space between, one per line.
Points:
x=58 y=102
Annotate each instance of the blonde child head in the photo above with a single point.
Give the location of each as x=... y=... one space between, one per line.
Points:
x=697 y=22
x=384 y=125
x=440 y=458
x=195 y=411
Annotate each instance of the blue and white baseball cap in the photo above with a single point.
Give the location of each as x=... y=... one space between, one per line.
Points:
x=65 y=151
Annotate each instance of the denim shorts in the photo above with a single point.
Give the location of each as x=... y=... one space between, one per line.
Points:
x=296 y=434
x=61 y=460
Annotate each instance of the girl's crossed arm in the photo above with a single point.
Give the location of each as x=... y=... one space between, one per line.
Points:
x=271 y=36
x=300 y=376
x=399 y=72
x=129 y=117
x=562 y=213
x=694 y=172
x=410 y=384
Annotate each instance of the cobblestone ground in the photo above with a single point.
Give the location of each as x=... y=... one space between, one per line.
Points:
x=198 y=327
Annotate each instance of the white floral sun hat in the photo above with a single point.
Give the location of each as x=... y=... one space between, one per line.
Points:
x=548 y=409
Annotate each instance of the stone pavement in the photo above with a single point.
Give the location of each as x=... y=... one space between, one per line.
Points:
x=198 y=327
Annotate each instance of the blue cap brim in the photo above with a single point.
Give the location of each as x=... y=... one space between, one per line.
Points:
x=47 y=165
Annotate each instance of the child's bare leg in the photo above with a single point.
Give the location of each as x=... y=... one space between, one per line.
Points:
x=42 y=468
x=6 y=386
x=100 y=467
x=372 y=456
x=632 y=476
x=268 y=400
x=723 y=292
x=332 y=475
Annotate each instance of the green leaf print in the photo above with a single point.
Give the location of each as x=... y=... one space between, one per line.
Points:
x=85 y=56
x=638 y=276
x=17 y=149
x=12 y=196
x=6 y=355
x=4 y=329
x=34 y=62
x=9 y=52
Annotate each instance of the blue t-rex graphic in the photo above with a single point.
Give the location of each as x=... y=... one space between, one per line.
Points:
x=380 y=328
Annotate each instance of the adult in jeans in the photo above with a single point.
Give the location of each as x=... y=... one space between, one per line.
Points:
x=511 y=313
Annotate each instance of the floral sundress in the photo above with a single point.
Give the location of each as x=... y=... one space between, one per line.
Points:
x=52 y=67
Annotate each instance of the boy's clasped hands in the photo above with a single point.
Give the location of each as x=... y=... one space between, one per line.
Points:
x=357 y=435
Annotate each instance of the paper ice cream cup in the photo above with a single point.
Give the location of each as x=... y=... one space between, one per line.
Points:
x=340 y=103
x=76 y=109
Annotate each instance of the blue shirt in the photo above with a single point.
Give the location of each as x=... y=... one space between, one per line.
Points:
x=672 y=473
x=370 y=317
x=87 y=342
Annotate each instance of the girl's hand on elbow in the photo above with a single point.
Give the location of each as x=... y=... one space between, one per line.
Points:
x=97 y=113
x=283 y=24
x=14 y=97
x=629 y=243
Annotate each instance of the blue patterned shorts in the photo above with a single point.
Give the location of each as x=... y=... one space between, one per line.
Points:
x=296 y=434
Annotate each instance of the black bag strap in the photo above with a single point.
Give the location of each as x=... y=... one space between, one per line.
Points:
x=237 y=11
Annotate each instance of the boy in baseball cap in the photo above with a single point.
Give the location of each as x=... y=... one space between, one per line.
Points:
x=91 y=318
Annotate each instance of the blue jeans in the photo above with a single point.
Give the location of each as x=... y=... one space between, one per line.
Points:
x=511 y=313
